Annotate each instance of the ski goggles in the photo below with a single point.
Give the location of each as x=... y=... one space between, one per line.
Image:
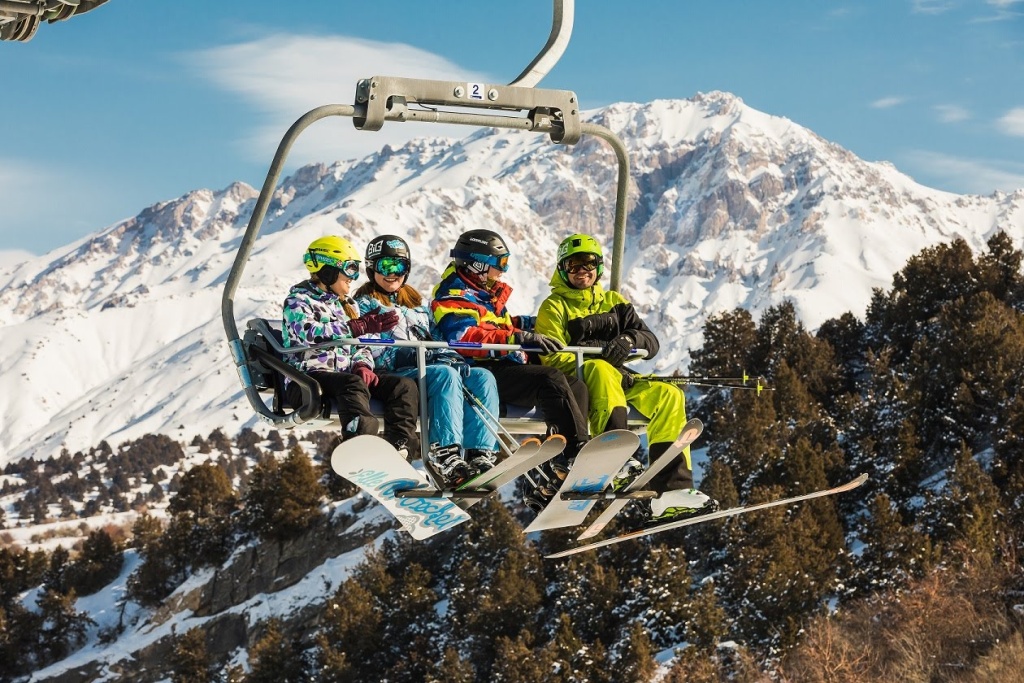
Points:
x=348 y=268
x=573 y=266
x=391 y=265
x=499 y=262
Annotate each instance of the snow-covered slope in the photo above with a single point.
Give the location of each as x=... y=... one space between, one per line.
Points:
x=119 y=334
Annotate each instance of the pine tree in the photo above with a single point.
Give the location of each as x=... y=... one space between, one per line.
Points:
x=970 y=511
x=656 y=594
x=219 y=441
x=497 y=586
x=283 y=499
x=588 y=590
x=894 y=551
x=351 y=643
x=846 y=335
x=636 y=660
x=160 y=570
x=190 y=661
x=276 y=658
x=63 y=628
x=202 y=524
x=517 y=661
x=1008 y=460
x=707 y=623
x=98 y=564
x=780 y=566
x=453 y=669
x=1000 y=268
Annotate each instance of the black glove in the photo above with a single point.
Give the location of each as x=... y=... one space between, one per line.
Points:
x=617 y=350
x=545 y=343
x=628 y=379
x=598 y=325
x=373 y=323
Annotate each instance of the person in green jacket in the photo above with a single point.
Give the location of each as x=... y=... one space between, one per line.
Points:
x=579 y=312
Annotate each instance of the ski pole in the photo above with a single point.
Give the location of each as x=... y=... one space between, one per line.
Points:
x=716 y=382
x=489 y=420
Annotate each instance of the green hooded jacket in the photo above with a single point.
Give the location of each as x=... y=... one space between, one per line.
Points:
x=565 y=303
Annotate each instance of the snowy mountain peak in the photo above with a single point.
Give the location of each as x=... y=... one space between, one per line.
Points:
x=119 y=334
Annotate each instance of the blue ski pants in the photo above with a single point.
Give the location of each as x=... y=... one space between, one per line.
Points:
x=453 y=417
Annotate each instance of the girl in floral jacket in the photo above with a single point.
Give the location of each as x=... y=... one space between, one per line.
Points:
x=319 y=310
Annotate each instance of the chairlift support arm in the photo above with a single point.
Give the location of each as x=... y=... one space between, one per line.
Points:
x=387 y=98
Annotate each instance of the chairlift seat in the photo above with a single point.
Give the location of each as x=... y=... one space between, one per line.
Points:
x=265 y=351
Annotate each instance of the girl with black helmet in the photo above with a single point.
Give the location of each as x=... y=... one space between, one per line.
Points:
x=469 y=306
x=461 y=444
x=319 y=310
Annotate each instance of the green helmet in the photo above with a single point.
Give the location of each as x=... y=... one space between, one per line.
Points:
x=578 y=244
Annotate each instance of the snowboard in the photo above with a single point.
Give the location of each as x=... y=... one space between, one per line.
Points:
x=720 y=514
x=687 y=435
x=373 y=464
x=591 y=474
x=530 y=454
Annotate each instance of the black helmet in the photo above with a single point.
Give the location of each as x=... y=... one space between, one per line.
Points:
x=478 y=250
x=388 y=255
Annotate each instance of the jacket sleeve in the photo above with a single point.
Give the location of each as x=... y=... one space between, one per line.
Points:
x=630 y=322
x=303 y=327
x=551 y=321
x=459 y=320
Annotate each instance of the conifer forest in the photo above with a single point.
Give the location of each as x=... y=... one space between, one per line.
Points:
x=915 y=576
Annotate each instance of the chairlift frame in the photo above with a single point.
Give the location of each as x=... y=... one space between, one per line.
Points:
x=387 y=98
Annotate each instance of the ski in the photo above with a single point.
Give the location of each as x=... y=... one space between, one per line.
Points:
x=731 y=512
x=529 y=454
x=592 y=472
x=687 y=435
x=373 y=464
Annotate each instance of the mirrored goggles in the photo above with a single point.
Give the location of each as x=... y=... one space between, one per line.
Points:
x=391 y=265
x=586 y=265
x=350 y=269
x=499 y=262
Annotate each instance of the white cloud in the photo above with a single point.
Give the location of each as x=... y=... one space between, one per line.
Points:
x=931 y=6
x=887 y=102
x=952 y=113
x=1004 y=4
x=1012 y=123
x=283 y=76
x=977 y=176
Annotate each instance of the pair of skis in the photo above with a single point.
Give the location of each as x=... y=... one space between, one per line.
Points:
x=561 y=513
x=425 y=510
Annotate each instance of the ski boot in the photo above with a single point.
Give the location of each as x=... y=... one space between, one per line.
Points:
x=481 y=459
x=630 y=471
x=402 y=446
x=538 y=487
x=672 y=506
x=448 y=463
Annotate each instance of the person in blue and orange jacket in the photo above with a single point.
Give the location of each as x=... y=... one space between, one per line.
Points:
x=469 y=305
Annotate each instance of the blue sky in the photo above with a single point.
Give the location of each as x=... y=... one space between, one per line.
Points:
x=140 y=101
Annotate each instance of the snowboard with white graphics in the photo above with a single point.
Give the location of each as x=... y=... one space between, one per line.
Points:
x=592 y=472
x=687 y=435
x=373 y=464
x=720 y=514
